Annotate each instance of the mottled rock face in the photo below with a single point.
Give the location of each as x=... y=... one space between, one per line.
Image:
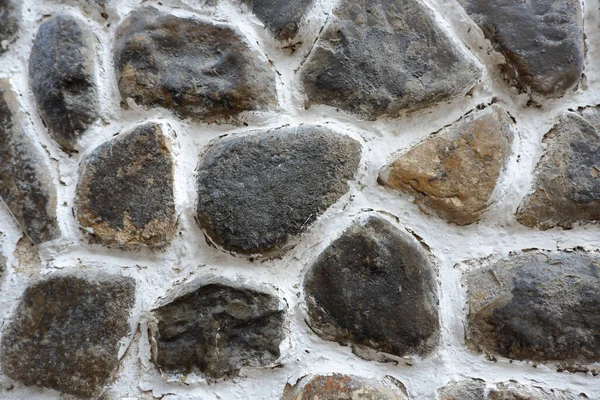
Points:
x=370 y=257
x=281 y=17
x=379 y=57
x=196 y=68
x=454 y=173
x=542 y=41
x=217 y=329
x=342 y=387
x=26 y=185
x=256 y=191
x=125 y=193
x=62 y=77
x=65 y=332
x=10 y=14
x=476 y=390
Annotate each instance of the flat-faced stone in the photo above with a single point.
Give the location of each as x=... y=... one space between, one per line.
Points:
x=380 y=57
x=125 y=192
x=373 y=256
x=66 y=330
x=198 y=69
x=281 y=17
x=256 y=191
x=62 y=76
x=217 y=328
x=542 y=41
x=10 y=15
x=454 y=173
x=343 y=387
x=480 y=390
x=26 y=185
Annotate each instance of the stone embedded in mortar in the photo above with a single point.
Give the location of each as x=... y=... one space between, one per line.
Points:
x=217 y=328
x=258 y=190
x=198 y=69
x=26 y=185
x=380 y=57
x=125 y=192
x=344 y=387
x=10 y=16
x=455 y=172
x=281 y=17
x=476 y=390
x=62 y=75
x=374 y=287
x=66 y=330
x=542 y=41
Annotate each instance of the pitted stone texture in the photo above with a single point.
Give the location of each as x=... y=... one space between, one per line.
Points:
x=10 y=15
x=380 y=57
x=218 y=328
x=125 y=193
x=479 y=390
x=281 y=17
x=66 y=330
x=537 y=306
x=26 y=185
x=344 y=387
x=256 y=191
x=62 y=75
x=370 y=257
x=196 y=68
x=542 y=41
x=454 y=173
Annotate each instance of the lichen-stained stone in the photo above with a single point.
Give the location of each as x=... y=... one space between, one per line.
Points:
x=198 y=69
x=215 y=327
x=380 y=57
x=66 y=330
x=26 y=185
x=10 y=15
x=343 y=387
x=125 y=193
x=256 y=191
x=537 y=306
x=281 y=17
x=454 y=173
x=62 y=76
x=375 y=287
x=480 y=390
x=542 y=41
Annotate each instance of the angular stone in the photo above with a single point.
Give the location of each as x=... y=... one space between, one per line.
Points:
x=10 y=15
x=380 y=57
x=256 y=191
x=542 y=41
x=217 y=328
x=281 y=17
x=66 y=330
x=196 y=68
x=373 y=256
x=479 y=390
x=62 y=75
x=26 y=185
x=344 y=387
x=454 y=173
x=125 y=192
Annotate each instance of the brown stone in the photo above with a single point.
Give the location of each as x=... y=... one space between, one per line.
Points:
x=344 y=387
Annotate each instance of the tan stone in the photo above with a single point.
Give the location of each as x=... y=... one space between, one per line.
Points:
x=345 y=387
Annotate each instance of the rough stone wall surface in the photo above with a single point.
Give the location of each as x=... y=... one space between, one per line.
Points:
x=311 y=199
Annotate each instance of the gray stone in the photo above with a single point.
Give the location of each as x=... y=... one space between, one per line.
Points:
x=479 y=390
x=256 y=191
x=374 y=257
x=344 y=387
x=380 y=57
x=66 y=330
x=62 y=75
x=281 y=17
x=10 y=16
x=198 y=69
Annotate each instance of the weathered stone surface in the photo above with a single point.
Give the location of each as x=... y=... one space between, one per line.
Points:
x=62 y=76
x=125 y=193
x=566 y=188
x=66 y=330
x=537 y=306
x=10 y=15
x=542 y=41
x=385 y=56
x=281 y=17
x=454 y=173
x=25 y=183
x=197 y=68
x=217 y=328
x=479 y=390
x=373 y=256
x=343 y=387
x=256 y=191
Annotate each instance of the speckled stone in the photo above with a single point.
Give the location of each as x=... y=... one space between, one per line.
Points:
x=480 y=390
x=345 y=387
x=281 y=17
x=10 y=16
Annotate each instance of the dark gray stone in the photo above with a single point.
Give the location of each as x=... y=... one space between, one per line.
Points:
x=65 y=332
x=62 y=75
x=476 y=390
x=374 y=287
x=256 y=191
x=10 y=16
x=345 y=387
x=281 y=17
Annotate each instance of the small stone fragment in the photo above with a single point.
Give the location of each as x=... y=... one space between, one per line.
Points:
x=217 y=328
x=10 y=15
x=473 y=389
x=455 y=172
x=343 y=387
x=66 y=330
x=479 y=390
x=256 y=191
x=281 y=17
x=373 y=257
x=198 y=69
x=62 y=75
x=125 y=193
